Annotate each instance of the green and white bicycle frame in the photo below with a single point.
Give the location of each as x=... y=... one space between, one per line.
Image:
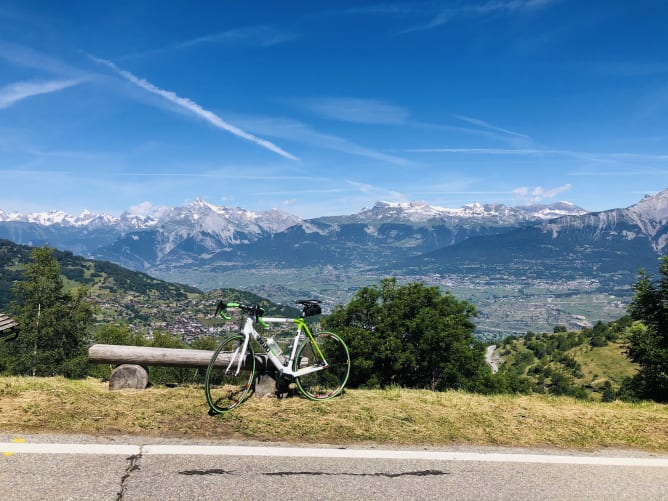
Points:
x=286 y=366
x=230 y=375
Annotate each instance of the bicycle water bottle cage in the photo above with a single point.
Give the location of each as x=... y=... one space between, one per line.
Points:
x=310 y=307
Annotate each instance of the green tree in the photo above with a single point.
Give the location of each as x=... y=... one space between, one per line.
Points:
x=171 y=375
x=53 y=323
x=608 y=393
x=119 y=334
x=647 y=339
x=411 y=336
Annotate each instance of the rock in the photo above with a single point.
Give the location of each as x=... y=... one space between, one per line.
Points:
x=128 y=376
x=265 y=385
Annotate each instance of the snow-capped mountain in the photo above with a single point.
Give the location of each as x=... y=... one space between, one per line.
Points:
x=221 y=220
x=612 y=245
x=420 y=212
x=199 y=212
x=645 y=221
x=199 y=223
x=203 y=229
x=86 y=218
x=199 y=242
x=202 y=234
x=651 y=214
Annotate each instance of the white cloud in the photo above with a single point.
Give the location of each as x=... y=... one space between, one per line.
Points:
x=486 y=125
x=142 y=209
x=297 y=131
x=194 y=108
x=28 y=58
x=538 y=193
x=473 y=11
x=13 y=93
x=263 y=36
x=487 y=151
x=377 y=191
x=364 y=111
x=252 y=36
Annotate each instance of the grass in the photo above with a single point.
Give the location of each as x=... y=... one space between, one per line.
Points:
x=381 y=417
x=605 y=362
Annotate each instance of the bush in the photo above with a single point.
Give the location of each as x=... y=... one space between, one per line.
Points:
x=412 y=336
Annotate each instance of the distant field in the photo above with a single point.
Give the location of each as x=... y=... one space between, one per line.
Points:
x=394 y=416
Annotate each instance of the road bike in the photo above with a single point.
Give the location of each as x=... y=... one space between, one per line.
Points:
x=319 y=364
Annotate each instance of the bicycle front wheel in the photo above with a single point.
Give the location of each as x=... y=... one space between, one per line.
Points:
x=328 y=382
x=229 y=376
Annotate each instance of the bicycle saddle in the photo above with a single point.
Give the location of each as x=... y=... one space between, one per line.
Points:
x=308 y=301
x=310 y=307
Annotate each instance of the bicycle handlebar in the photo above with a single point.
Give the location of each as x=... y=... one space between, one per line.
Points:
x=254 y=310
x=310 y=307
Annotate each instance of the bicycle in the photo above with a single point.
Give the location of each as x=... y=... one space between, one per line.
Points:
x=319 y=364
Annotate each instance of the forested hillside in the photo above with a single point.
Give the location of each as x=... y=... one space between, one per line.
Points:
x=125 y=296
x=100 y=275
x=588 y=363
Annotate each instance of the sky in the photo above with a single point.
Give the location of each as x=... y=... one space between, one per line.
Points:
x=324 y=108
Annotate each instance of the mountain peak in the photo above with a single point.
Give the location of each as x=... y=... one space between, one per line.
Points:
x=419 y=211
x=653 y=207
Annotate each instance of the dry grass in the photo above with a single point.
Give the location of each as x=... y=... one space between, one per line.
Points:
x=394 y=416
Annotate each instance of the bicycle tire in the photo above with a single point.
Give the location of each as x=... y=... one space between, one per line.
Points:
x=224 y=389
x=329 y=382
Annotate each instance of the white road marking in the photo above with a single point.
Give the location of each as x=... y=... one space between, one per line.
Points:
x=110 y=449
x=225 y=450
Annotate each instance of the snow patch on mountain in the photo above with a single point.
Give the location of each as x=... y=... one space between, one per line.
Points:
x=221 y=221
x=420 y=212
x=60 y=218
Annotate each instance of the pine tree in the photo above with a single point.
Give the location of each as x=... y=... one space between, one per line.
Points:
x=53 y=324
x=648 y=337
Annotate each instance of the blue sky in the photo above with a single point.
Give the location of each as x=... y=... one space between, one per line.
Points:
x=323 y=108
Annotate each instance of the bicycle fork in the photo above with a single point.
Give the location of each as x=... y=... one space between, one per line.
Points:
x=239 y=354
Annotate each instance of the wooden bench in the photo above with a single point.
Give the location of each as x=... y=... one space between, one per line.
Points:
x=132 y=361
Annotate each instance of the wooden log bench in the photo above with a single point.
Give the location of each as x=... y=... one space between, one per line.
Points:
x=132 y=362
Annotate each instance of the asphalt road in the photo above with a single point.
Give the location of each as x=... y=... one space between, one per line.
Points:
x=130 y=468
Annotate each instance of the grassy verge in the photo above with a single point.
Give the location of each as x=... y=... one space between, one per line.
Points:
x=392 y=417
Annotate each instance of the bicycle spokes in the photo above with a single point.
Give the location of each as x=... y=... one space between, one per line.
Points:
x=225 y=386
x=334 y=367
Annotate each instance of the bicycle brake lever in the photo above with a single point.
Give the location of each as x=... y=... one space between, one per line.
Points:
x=220 y=310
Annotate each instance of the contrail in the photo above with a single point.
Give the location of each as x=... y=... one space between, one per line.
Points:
x=485 y=125
x=15 y=92
x=195 y=108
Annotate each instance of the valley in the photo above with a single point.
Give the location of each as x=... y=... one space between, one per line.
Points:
x=505 y=306
x=525 y=269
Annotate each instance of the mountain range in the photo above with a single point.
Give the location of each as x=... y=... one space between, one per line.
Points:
x=602 y=244
x=203 y=232
x=281 y=256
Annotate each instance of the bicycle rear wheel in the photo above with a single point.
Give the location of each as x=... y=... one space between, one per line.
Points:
x=230 y=374
x=328 y=382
